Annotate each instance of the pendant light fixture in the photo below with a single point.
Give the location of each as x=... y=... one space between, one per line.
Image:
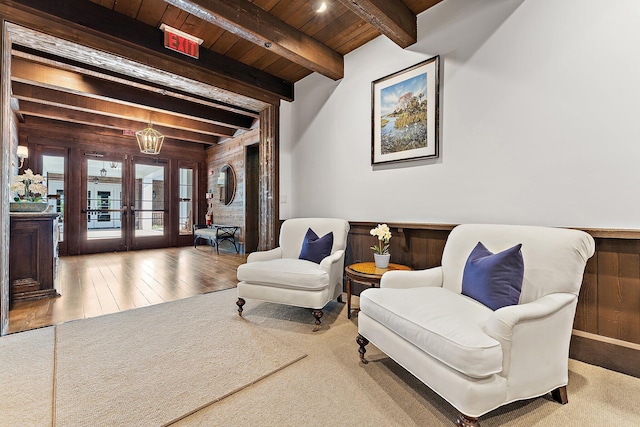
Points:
x=103 y=171
x=150 y=140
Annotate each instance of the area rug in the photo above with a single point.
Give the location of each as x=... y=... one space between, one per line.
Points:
x=26 y=378
x=155 y=365
x=331 y=387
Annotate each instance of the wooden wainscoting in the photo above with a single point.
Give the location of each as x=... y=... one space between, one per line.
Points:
x=607 y=322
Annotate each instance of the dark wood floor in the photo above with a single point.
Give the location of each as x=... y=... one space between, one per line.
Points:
x=93 y=285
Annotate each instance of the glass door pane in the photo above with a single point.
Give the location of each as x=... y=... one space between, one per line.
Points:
x=53 y=173
x=104 y=200
x=149 y=205
x=185 y=207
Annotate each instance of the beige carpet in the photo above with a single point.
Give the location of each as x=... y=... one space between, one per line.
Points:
x=152 y=366
x=328 y=387
x=26 y=377
x=331 y=387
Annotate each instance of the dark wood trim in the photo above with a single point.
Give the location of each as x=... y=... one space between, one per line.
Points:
x=269 y=178
x=248 y=21
x=611 y=354
x=609 y=233
x=612 y=233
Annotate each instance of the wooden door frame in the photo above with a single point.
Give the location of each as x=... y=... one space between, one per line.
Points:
x=251 y=202
x=5 y=155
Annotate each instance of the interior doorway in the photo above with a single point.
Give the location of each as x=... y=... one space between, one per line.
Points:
x=252 y=197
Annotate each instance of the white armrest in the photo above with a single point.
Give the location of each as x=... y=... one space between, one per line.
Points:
x=401 y=279
x=265 y=255
x=326 y=262
x=537 y=333
x=503 y=320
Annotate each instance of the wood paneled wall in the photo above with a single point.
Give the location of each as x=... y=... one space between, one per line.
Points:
x=230 y=152
x=607 y=322
x=73 y=140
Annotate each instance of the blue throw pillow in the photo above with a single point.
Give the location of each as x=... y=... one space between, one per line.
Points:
x=495 y=280
x=315 y=248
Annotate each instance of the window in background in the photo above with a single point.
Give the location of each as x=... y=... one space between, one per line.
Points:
x=186 y=201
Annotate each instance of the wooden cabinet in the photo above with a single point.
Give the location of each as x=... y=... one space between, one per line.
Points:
x=33 y=255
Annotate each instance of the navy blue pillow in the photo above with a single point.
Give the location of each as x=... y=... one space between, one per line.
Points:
x=495 y=280
x=315 y=248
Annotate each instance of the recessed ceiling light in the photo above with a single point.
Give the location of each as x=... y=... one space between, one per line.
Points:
x=319 y=6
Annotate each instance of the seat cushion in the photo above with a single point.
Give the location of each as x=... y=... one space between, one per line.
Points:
x=206 y=233
x=444 y=324
x=286 y=273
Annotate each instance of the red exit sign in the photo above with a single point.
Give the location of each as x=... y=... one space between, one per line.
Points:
x=181 y=42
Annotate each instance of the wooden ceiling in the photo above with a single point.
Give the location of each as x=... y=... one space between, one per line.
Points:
x=252 y=53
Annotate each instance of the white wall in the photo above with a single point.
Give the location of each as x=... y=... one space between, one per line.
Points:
x=540 y=121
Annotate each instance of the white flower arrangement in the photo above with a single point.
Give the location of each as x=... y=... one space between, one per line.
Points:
x=29 y=187
x=383 y=234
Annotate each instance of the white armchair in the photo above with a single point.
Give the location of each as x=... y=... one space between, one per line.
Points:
x=280 y=276
x=474 y=357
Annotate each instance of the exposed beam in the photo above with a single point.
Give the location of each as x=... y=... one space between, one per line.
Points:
x=83 y=137
x=250 y=22
x=33 y=109
x=42 y=75
x=67 y=64
x=89 y=24
x=391 y=17
x=25 y=92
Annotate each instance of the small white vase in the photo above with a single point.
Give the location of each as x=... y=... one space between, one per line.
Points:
x=382 y=261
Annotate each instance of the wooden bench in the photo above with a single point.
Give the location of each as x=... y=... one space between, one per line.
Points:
x=215 y=234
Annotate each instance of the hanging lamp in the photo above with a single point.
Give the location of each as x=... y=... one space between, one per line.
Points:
x=150 y=140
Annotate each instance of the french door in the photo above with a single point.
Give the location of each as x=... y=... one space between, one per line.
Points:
x=123 y=203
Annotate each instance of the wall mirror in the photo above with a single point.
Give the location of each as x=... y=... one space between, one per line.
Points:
x=227 y=184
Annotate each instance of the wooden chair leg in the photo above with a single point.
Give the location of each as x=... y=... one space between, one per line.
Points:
x=465 y=421
x=318 y=315
x=362 y=342
x=240 y=303
x=560 y=395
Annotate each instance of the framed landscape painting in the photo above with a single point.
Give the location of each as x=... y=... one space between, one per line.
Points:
x=405 y=114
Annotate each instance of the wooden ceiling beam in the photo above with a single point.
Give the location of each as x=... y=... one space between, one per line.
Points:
x=391 y=17
x=250 y=22
x=55 y=61
x=46 y=131
x=89 y=24
x=25 y=92
x=45 y=76
x=33 y=109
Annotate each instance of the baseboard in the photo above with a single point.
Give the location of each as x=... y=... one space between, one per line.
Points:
x=609 y=353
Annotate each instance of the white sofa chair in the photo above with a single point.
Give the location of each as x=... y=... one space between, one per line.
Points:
x=474 y=357
x=280 y=276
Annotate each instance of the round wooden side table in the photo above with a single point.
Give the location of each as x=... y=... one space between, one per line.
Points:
x=367 y=274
